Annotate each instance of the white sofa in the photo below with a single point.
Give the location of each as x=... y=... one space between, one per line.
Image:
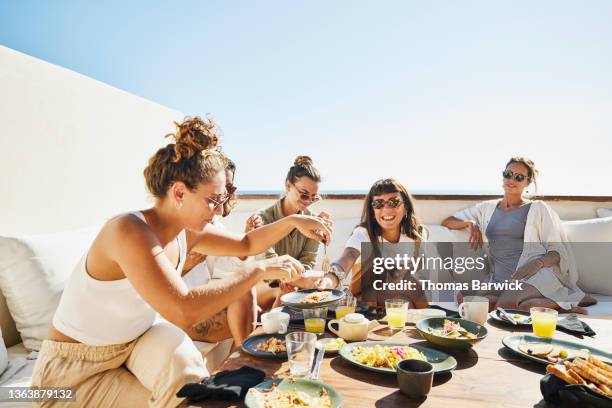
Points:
x=34 y=268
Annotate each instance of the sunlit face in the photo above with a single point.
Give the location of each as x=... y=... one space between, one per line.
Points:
x=303 y=193
x=203 y=203
x=387 y=217
x=511 y=185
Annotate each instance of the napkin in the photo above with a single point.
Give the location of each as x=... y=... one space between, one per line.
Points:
x=572 y=325
x=228 y=385
x=449 y=313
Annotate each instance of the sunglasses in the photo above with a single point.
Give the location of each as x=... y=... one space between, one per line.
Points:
x=508 y=174
x=307 y=196
x=391 y=203
x=214 y=204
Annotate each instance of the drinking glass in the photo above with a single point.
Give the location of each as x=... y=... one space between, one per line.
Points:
x=300 y=352
x=396 y=310
x=314 y=319
x=346 y=305
x=543 y=321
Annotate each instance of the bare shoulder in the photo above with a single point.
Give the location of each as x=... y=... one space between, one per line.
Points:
x=126 y=231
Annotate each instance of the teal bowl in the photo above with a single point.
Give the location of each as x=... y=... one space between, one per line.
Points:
x=457 y=344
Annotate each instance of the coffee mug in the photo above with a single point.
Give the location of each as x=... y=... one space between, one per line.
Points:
x=275 y=322
x=415 y=377
x=474 y=308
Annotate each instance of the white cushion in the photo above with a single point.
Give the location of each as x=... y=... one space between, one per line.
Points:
x=594 y=261
x=604 y=212
x=33 y=272
x=3 y=354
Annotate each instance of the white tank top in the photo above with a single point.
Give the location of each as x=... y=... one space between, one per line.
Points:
x=100 y=313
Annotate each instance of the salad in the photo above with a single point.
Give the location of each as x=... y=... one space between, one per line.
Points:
x=452 y=330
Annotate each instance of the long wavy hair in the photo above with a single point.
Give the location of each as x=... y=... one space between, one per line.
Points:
x=410 y=226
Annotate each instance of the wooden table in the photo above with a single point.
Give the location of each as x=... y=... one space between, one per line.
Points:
x=486 y=376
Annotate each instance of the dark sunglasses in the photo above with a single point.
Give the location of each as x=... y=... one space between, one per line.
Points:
x=391 y=203
x=306 y=196
x=508 y=174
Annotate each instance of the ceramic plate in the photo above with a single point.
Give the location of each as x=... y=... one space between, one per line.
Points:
x=294 y=299
x=249 y=346
x=438 y=322
x=514 y=341
x=442 y=362
x=522 y=320
x=309 y=387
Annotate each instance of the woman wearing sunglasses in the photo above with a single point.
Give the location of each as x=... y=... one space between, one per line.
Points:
x=104 y=341
x=388 y=216
x=301 y=191
x=526 y=243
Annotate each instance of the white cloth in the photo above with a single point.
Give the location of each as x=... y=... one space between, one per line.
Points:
x=441 y=297
x=100 y=313
x=543 y=233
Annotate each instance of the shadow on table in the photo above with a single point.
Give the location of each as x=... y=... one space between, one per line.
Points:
x=465 y=358
x=525 y=364
x=397 y=399
x=339 y=365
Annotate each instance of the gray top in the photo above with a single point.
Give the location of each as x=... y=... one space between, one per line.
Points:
x=505 y=233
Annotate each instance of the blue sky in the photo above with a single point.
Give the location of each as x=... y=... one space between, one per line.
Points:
x=438 y=94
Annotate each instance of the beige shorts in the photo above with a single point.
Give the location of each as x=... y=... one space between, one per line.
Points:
x=148 y=371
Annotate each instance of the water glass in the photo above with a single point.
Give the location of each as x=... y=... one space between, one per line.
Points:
x=314 y=319
x=396 y=310
x=300 y=352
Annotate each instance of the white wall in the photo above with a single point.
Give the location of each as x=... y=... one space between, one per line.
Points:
x=73 y=149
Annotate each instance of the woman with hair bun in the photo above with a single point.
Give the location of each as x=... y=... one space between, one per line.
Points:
x=301 y=191
x=103 y=342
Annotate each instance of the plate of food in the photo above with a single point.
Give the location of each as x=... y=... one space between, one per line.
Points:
x=268 y=346
x=331 y=345
x=311 y=298
x=546 y=351
x=588 y=379
x=281 y=393
x=383 y=357
x=452 y=333
x=522 y=317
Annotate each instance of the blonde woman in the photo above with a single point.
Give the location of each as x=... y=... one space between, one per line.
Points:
x=525 y=242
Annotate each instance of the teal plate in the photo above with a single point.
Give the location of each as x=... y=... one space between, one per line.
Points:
x=310 y=387
x=514 y=341
x=438 y=322
x=442 y=362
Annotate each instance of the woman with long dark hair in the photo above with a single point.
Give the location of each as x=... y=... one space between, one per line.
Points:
x=388 y=217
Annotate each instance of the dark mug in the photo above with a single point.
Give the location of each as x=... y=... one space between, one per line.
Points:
x=414 y=377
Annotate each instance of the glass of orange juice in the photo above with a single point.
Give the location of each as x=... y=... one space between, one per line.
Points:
x=314 y=319
x=345 y=306
x=396 y=310
x=543 y=321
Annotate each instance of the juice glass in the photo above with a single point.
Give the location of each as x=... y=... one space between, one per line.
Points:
x=314 y=319
x=543 y=321
x=396 y=310
x=345 y=306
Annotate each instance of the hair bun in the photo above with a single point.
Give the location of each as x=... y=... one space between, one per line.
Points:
x=194 y=135
x=303 y=161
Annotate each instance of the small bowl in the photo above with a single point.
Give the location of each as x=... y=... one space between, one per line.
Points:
x=415 y=377
x=322 y=342
x=438 y=322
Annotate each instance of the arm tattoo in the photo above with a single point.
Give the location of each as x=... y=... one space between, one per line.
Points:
x=210 y=325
